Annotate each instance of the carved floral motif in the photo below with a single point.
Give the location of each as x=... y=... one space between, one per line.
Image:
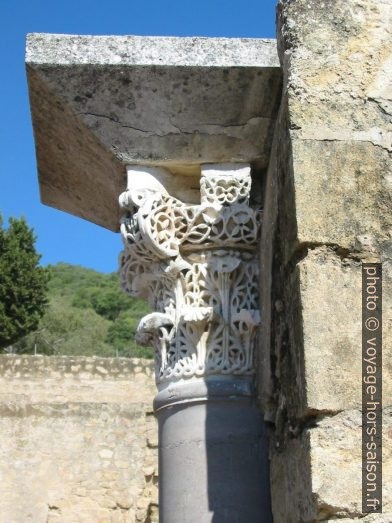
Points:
x=197 y=267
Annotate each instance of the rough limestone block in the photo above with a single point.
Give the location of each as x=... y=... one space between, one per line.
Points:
x=316 y=338
x=317 y=472
x=338 y=69
x=331 y=314
x=343 y=194
x=328 y=207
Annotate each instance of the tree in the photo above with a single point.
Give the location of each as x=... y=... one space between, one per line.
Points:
x=107 y=301
x=87 y=315
x=23 y=283
x=121 y=335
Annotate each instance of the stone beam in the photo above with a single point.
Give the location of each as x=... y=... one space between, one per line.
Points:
x=99 y=103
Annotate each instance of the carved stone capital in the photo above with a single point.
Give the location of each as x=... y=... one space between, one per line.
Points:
x=197 y=266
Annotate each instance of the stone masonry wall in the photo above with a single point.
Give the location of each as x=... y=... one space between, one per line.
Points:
x=328 y=208
x=77 y=440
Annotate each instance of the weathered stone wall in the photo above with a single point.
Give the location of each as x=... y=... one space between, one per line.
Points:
x=327 y=209
x=77 y=440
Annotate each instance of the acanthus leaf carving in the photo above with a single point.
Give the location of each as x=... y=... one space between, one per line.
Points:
x=197 y=266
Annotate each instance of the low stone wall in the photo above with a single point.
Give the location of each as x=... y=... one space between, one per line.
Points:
x=78 y=440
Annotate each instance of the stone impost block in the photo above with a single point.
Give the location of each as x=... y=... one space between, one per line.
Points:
x=101 y=102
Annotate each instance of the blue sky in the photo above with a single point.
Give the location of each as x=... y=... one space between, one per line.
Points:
x=62 y=237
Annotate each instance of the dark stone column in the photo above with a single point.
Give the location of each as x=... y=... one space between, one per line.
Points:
x=213 y=462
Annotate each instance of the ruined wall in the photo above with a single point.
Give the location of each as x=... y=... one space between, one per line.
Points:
x=77 y=440
x=327 y=209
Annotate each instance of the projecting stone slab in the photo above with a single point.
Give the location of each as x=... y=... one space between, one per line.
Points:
x=101 y=102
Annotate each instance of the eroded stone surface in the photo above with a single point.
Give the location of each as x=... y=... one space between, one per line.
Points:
x=316 y=473
x=59 y=49
x=76 y=379
x=318 y=337
x=78 y=440
x=345 y=197
x=331 y=300
x=337 y=70
x=118 y=100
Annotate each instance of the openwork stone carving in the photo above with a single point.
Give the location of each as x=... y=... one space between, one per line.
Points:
x=197 y=267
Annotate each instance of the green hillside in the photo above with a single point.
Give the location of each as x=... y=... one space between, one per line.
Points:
x=88 y=314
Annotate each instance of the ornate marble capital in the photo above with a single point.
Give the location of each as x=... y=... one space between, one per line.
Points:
x=197 y=266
